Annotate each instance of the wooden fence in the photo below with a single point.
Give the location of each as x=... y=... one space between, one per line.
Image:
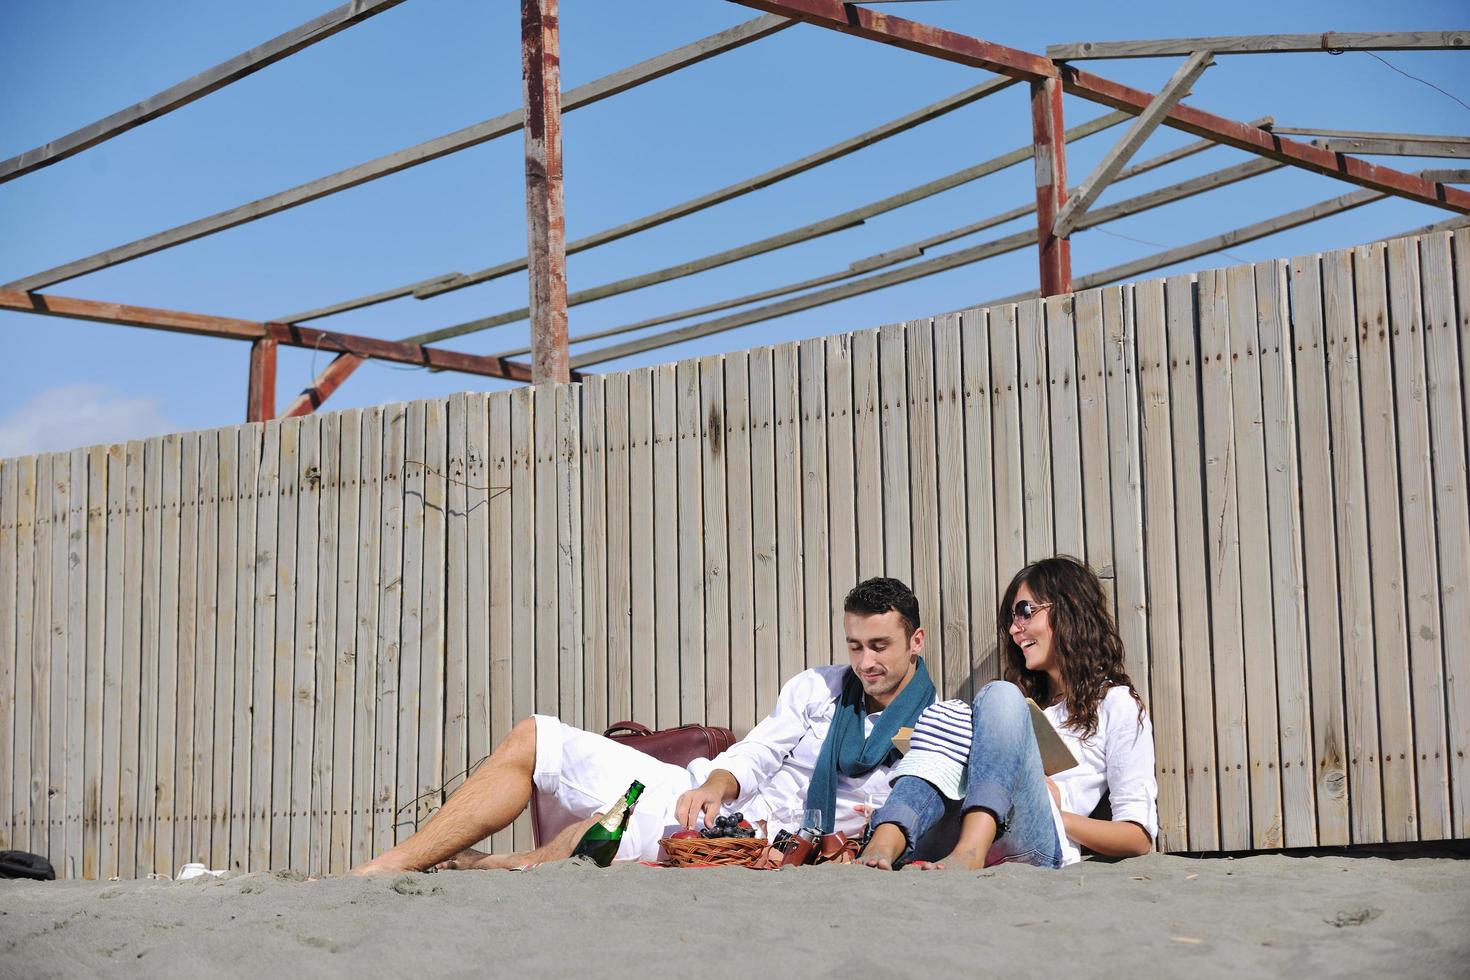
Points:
x=272 y=645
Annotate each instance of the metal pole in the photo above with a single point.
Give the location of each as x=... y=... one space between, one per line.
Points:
x=1051 y=185
x=545 y=221
x=260 y=403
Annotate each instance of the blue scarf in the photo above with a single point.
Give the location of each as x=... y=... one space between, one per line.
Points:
x=845 y=749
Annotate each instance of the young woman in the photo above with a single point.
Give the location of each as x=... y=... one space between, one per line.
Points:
x=971 y=790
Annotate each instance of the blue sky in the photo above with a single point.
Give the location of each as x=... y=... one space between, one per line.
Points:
x=429 y=67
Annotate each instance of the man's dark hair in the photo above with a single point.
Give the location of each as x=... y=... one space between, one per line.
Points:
x=877 y=596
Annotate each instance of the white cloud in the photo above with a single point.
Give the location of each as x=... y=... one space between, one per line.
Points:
x=79 y=415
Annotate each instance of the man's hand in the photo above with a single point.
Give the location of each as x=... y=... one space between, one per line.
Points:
x=707 y=799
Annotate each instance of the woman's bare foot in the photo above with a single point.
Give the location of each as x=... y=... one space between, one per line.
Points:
x=884 y=847
x=964 y=859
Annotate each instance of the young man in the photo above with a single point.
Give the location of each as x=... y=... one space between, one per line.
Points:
x=827 y=746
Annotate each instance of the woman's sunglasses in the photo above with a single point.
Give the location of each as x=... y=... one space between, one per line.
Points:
x=1025 y=609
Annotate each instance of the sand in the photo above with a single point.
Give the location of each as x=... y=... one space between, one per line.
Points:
x=1147 y=917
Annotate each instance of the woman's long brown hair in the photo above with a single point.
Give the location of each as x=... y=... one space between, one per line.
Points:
x=1083 y=635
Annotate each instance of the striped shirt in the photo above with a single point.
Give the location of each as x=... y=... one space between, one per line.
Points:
x=945 y=728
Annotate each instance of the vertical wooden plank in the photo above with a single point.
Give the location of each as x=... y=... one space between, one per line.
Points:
x=1447 y=349
x=924 y=497
x=149 y=710
x=742 y=551
x=763 y=465
x=1007 y=439
x=391 y=607
x=1092 y=341
x=132 y=672
x=96 y=627
x=1222 y=546
x=1258 y=624
x=898 y=553
x=301 y=651
x=867 y=425
x=466 y=699
x=716 y=541
x=42 y=630
x=409 y=807
x=790 y=560
x=841 y=485
x=1126 y=474
x=544 y=544
x=622 y=639
x=341 y=654
x=77 y=555
x=595 y=554
x=159 y=708
x=109 y=599
x=219 y=626
x=186 y=679
x=19 y=786
x=1385 y=543
x=1185 y=369
x=643 y=533
x=1060 y=391
x=691 y=582
x=283 y=651
x=524 y=529
x=1351 y=514
x=262 y=676
x=9 y=587
x=1166 y=700
x=367 y=726
x=327 y=620
x=54 y=497
x=433 y=708
x=254 y=442
x=1036 y=474
x=1421 y=561
x=1288 y=577
x=979 y=494
x=816 y=533
x=508 y=662
x=205 y=554
x=569 y=554
x=953 y=608
x=1319 y=551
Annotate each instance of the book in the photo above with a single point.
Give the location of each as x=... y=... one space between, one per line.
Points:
x=1055 y=755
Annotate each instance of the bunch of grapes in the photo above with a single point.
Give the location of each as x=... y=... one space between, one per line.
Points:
x=729 y=825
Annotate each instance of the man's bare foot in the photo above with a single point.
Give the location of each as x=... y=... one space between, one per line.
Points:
x=380 y=865
x=471 y=859
x=884 y=847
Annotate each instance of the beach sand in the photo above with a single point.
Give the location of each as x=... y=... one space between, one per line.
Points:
x=1153 y=916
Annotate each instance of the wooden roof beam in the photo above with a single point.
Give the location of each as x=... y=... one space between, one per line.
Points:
x=1143 y=127
x=963 y=49
x=461 y=139
x=211 y=80
x=1331 y=41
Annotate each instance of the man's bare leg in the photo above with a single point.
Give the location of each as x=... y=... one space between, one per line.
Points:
x=488 y=801
x=558 y=848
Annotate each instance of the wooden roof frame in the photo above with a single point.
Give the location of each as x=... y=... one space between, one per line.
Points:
x=1059 y=210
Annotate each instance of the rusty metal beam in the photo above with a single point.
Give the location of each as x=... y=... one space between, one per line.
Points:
x=1054 y=251
x=950 y=46
x=911 y=35
x=260 y=397
x=322 y=386
x=546 y=231
x=210 y=80
x=286 y=334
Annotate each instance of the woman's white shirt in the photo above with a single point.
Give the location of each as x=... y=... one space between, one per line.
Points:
x=1118 y=759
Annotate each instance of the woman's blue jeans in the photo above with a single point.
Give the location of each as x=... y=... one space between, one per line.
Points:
x=1004 y=777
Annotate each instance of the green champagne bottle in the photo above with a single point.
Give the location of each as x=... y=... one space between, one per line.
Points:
x=600 y=842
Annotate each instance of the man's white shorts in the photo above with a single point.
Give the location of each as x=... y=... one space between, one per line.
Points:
x=582 y=774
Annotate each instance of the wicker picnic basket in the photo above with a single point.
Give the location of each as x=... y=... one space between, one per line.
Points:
x=689 y=852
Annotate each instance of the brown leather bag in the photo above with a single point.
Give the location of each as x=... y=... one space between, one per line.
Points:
x=676 y=746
